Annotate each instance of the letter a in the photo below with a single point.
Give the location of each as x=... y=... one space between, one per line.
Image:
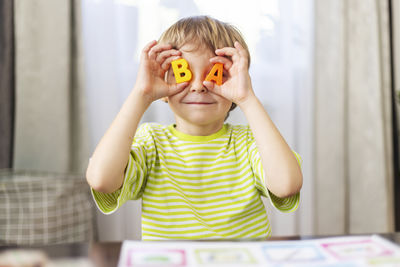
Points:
x=181 y=71
x=215 y=73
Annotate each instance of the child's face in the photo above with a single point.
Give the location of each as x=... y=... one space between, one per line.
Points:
x=196 y=105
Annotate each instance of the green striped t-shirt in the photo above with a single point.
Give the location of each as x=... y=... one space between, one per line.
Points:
x=196 y=187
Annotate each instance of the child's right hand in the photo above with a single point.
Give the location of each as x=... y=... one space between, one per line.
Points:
x=155 y=61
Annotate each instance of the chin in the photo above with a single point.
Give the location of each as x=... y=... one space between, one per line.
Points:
x=199 y=121
x=203 y=120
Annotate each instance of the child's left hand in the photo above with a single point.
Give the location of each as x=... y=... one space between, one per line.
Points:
x=237 y=87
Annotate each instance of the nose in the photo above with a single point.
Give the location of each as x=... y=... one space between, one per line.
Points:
x=199 y=89
x=197 y=86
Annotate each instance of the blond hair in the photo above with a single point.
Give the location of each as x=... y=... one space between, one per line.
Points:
x=203 y=30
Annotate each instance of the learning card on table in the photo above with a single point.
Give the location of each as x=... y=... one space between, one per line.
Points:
x=336 y=251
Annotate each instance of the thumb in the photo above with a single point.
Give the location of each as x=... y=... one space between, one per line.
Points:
x=212 y=87
x=176 y=88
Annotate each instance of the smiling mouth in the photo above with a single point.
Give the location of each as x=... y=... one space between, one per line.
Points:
x=199 y=103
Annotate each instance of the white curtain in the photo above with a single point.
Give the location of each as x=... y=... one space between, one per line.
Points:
x=280 y=38
x=353 y=144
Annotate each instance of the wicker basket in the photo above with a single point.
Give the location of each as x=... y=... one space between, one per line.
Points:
x=44 y=208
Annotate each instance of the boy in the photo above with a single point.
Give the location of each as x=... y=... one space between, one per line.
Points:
x=199 y=178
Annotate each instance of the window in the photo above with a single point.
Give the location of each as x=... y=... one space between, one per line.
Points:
x=279 y=35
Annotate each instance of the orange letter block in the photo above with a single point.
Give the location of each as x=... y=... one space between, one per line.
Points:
x=181 y=70
x=215 y=73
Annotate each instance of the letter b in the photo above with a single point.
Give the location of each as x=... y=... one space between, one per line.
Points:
x=181 y=70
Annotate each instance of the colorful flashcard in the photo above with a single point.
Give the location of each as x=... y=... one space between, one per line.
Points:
x=292 y=252
x=357 y=249
x=156 y=257
x=385 y=261
x=347 y=251
x=237 y=256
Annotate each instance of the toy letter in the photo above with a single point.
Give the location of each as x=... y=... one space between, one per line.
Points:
x=181 y=70
x=215 y=73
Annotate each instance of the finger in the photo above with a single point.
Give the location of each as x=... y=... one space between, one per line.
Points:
x=157 y=49
x=225 y=61
x=167 y=53
x=241 y=49
x=177 y=88
x=210 y=86
x=226 y=51
x=147 y=48
x=238 y=54
x=213 y=88
x=167 y=62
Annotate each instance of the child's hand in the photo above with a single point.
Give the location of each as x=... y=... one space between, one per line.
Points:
x=155 y=60
x=237 y=87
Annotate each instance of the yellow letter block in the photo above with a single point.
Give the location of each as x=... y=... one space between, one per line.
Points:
x=215 y=73
x=181 y=70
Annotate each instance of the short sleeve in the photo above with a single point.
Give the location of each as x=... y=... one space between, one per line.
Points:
x=135 y=175
x=287 y=204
